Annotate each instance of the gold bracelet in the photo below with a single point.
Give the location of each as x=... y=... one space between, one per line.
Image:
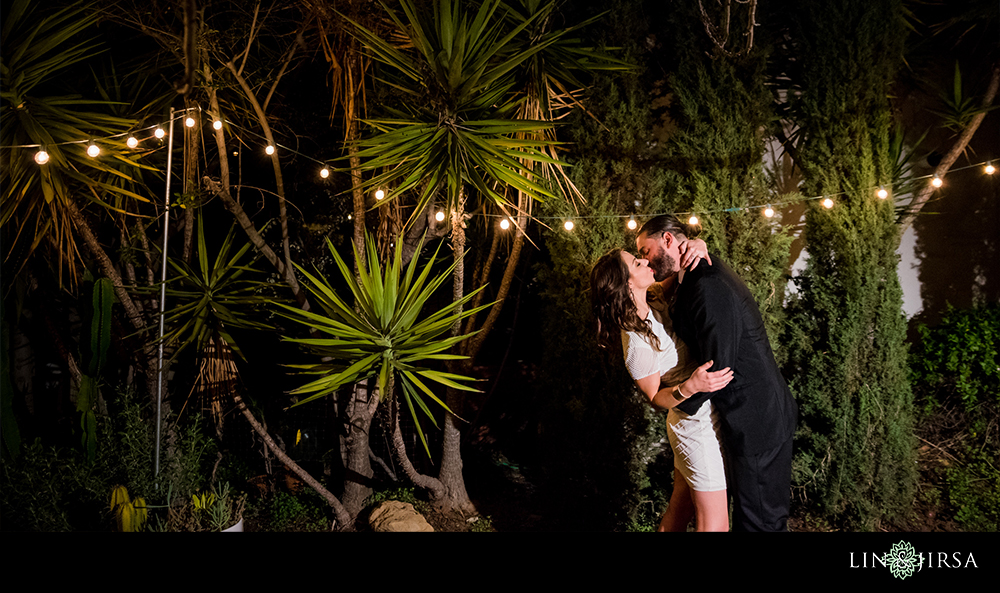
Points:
x=677 y=393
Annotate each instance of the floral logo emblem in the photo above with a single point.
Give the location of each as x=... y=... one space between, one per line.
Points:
x=902 y=560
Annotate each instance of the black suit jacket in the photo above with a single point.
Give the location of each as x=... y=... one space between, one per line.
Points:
x=717 y=317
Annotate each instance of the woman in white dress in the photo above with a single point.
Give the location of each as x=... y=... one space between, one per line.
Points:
x=662 y=371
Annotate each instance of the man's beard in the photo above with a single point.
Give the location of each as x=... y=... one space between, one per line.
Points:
x=663 y=266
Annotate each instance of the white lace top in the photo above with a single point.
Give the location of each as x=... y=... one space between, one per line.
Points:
x=671 y=362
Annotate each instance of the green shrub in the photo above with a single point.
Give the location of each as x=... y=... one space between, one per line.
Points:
x=51 y=489
x=973 y=489
x=288 y=512
x=955 y=370
x=959 y=359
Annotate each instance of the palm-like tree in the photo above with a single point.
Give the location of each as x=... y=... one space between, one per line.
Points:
x=385 y=334
x=458 y=64
x=42 y=206
x=487 y=82
x=39 y=202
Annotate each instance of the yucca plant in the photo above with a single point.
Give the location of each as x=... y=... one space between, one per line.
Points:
x=212 y=297
x=461 y=126
x=386 y=333
x=39 y=203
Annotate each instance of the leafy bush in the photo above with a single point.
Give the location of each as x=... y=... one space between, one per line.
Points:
x=286 y=512
x=955 y=370
x=960 y=358
x=52 y=489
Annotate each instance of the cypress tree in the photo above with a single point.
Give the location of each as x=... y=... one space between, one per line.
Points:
x=855 y=446
x=723 y=112
x=601 y=435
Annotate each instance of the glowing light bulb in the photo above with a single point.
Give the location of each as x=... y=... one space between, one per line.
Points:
x=439 y=216
x=769 y=212
x=568 y=225
x=379 y=194
x=693 y=220
x=41 y=157
x=505 y=224
x=159 y=133
x=349 y=217
x=217 y=124
x=989 y=169
x=936 y=182
x=132 y=142
x=324 y=172
x=882 y=193
x=93 y=150
x=828 y=203
x=189 y=122
x=631 y=224
x=269 y=149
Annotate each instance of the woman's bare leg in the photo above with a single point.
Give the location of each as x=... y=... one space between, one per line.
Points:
x=681 y=507
x=711 y=510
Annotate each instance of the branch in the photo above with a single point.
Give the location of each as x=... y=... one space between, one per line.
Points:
x=343 y=517
x=253 y=26
x=906 y=219
x=434 y=485
x=288 y=58
x=713 y=32
x=258 y=242
x=279 y=183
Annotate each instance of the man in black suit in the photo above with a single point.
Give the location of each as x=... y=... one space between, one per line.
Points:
x=717 y=317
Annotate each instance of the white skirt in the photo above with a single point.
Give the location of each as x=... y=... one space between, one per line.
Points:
x=697 y=447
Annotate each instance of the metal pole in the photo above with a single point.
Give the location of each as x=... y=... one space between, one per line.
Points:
x=163 y=292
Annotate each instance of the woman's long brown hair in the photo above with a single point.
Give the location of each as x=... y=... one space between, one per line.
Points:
x=612 y=302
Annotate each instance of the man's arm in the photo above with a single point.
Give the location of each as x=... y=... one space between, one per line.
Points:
x=701 y=380
x=715 y=321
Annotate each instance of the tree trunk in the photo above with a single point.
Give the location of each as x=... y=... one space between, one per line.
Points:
x=357 y=482
x=472 y=346
x=439 y=493
x=108 y=269
x=278 y=180
x=344 y=519
x=455 y=495
x=949 y=159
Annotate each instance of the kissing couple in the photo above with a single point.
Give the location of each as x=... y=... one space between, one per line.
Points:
x=695 y=344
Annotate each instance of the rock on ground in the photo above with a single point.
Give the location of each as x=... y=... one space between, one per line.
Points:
x=393 y=515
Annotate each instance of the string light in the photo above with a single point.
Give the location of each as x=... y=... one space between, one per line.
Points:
x=94 y=150
x=439 y=216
